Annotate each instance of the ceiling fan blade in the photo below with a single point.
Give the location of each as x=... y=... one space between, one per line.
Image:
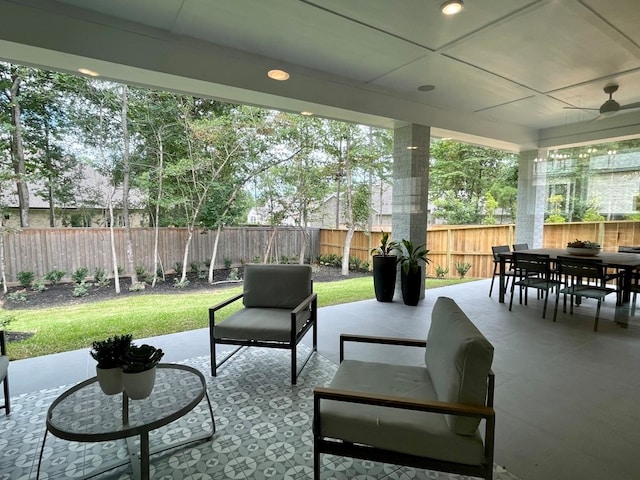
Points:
x=579 y=108
x=599 y=117
x=630 y=106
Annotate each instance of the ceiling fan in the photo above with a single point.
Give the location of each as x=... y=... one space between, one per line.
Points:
x=610 y=107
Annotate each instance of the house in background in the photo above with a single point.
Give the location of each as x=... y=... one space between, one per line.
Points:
x=87 y=204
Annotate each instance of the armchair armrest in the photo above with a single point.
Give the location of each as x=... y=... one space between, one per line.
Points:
x=434 y=406
x=305 y=303
x=226 y=302
x=407 y=342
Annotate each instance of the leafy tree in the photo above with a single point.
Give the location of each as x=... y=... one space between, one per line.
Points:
x=460 y=176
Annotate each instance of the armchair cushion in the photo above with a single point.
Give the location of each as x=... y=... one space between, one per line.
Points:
x=4 y=366
x=276 y=286
x=459 y=359
x=400 y=430
x=264 y=324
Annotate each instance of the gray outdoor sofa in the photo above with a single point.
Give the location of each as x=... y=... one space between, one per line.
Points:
x=426 y=416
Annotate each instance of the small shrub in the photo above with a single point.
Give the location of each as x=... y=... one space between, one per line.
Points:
x=178 y=267
x=140 y=270
x=227 y=262
x=54 y=276
x=120 y=271
x=25 y=278
x=178 y=284
x=79 y=275
x=194 y=267
x=38 y=285
x=256 y=259
x=19 y=296
x=100 y=277
x=441 y=272
x=5 y=320
x=207 y=263
x=462 y=268
x=137 y=287
x=80 y=290
x=149 y=278
x=284 y=259
x=364 y=266
x=234 y=274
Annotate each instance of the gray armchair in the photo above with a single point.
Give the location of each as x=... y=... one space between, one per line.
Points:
x=279 y=309
x=426 y=416
x=4 y=372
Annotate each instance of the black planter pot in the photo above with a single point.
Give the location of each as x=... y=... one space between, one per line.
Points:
x=411 y=286
x=384 y=277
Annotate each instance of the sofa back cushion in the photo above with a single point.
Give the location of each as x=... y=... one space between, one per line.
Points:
x=276 y=286
x=458 y=359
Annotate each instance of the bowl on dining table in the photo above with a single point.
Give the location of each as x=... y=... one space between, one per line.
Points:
x=583 y=252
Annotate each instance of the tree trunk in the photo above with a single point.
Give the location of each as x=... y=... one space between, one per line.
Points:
x=214 y=253
x=156 y=227
x=131 y=262
x=185 y=257
x=266 y=253
x=2 y=264
x=347 y=250
x=17 y=149
x=114 y=256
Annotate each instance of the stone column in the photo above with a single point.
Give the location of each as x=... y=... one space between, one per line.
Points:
x=532 y=197
x=410 y=187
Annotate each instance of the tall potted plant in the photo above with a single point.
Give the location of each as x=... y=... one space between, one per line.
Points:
x=384 y=269
x=410 y=271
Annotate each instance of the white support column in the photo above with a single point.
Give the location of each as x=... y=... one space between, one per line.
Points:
x=532 y=197
x=410 y=186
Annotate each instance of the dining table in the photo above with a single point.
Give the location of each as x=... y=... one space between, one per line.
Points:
x=624 y=262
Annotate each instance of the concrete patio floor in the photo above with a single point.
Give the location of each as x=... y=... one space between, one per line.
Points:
x=566 y=397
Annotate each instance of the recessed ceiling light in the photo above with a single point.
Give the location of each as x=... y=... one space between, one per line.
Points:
x=86 y=71
x=306 y=113
x=426 y=88
x=451 y=7
x=279 y=75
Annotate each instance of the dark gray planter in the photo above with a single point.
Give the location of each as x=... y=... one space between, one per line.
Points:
x=384 y=277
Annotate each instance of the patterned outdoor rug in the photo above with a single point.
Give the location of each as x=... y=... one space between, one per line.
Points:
x=263 y=432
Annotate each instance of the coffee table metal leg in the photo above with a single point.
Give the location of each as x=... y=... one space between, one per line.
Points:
x=46 y=431
x=144 y=455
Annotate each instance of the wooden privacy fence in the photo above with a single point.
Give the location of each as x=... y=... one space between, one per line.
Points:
x=68 y=249
x=450 y=245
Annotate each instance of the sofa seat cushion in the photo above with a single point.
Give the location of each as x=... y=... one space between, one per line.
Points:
x=459 y=360
x=4 y=366
x=264 y=324
x=405 y=431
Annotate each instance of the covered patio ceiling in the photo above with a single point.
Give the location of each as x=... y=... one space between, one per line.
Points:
x=503 y=70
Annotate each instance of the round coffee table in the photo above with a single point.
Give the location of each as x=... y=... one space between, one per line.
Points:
x=85 y=414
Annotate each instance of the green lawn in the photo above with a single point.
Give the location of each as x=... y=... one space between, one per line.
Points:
x=67 y=328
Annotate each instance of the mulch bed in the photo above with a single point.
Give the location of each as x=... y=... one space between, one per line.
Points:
x=62 y=294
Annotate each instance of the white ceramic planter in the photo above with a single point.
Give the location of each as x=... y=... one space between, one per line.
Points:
x=139 y=385
x=110 y=380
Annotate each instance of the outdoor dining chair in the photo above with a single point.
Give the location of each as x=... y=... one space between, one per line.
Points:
x=583 y=278
x=533 y=271
x=497 y=250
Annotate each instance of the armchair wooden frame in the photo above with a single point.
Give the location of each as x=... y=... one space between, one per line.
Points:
x=5 y=378
x=367 y=452
x=311 y=303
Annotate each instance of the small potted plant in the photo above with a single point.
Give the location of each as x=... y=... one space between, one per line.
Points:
x=109 y=355
x=411 y=275
x=139 y=370
x=583 y=247
x=384 y=269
